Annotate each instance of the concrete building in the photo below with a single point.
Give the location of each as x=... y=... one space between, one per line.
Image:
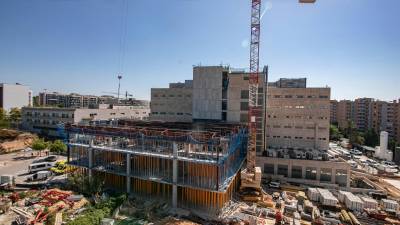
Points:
x=45 y=120
x=14 y=96
x=298 y=118
x=363 y=113
x=218 y=93
x=172 y=104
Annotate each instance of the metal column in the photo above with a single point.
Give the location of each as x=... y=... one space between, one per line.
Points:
x=128 y=173
x=175 y=176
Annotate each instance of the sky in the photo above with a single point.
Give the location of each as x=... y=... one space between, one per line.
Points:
x=352 y=46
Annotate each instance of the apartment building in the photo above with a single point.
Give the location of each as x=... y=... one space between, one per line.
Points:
x=45 y=120
x=368 y=113
x=345 y=113
x=74 y=100
x=363 y=113
x=172 y=104
x=14 y=96
x=334 y=110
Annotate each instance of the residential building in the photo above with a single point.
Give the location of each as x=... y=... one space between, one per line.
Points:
x=45 y=120
x=74 y=100
x=334 y=110
x=14 y=96
x=368 y=113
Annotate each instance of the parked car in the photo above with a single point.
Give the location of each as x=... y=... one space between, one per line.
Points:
x=35 y=167
x=274 y=185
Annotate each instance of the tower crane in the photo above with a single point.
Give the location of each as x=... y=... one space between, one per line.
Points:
x=251 y=175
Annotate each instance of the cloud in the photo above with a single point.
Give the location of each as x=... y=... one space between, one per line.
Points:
x=268 y=6
x=245 y=43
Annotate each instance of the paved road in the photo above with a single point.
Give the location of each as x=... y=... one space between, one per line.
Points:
x=17 y=164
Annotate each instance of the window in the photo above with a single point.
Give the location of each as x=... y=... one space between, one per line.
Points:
x=244 y=94
x=300 y=96
x=288 y=96
x=244 y=106
x=283 y=170
x=269 y=168
x=155 y=113
x=323 y=96
x=92 y=114
x=277 y=96
x=311 y=173
x=245 y=78
x=244 y=117
x=297 y=172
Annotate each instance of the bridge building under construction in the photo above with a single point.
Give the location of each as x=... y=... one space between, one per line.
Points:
x=190 y=165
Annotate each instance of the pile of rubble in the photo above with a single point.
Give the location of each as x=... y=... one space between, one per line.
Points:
x=35 y=207
x=11 y=140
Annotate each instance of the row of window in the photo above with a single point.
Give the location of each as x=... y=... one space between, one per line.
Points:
x=298 y=107
x=171 y=96
x=297 y=117
x=171 y=113
x=296 y=137
x=297 y=127
x=300 y=96
x=44 y=122
x=56 y=115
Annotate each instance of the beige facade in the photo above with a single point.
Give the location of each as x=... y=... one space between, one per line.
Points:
x=45 y=119
x=344 y=113
x=172 y=104
x=298 y=118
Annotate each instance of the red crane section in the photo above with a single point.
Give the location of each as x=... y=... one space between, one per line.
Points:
x=254 y=108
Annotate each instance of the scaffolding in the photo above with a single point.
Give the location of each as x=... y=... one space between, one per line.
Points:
x=195 y=163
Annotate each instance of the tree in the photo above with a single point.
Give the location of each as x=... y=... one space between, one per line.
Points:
x=355 y=137
x=58 y=147
x=4 y=122
x=392 y=144
x=15 y=115
x=39 y=145
x=334 y=133
x=371 y=138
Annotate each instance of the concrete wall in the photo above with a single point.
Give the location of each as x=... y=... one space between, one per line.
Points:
x=340 y=172
x=207 y=92
x=171 y=104
x=15 y=96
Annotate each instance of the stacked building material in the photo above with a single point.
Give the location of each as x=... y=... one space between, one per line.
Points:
x=326 y=198
x=369 y=203
x=353 y=202
x=390 y=205
x=313 y=194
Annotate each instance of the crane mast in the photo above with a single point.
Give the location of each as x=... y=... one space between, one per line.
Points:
x=254 y=108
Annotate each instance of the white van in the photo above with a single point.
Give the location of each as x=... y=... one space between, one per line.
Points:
x=34 y=167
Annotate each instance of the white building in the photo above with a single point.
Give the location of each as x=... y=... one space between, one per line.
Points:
x=14 y=96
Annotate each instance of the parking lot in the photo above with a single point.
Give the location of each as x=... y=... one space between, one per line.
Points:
x=17 y=163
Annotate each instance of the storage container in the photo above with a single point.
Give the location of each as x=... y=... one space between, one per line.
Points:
x=313 y=194
x=353 y=202
x=326 y=198
x=369 y=203
x=388 y=204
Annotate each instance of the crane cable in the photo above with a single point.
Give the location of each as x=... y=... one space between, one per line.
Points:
x=123 y=34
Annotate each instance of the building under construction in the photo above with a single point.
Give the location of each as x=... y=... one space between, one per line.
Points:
x=191 y=165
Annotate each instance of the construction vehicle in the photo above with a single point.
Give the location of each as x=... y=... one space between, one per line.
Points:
x=251 y=175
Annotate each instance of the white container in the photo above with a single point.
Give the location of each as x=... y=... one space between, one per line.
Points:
x=388 y=204
x=369 y=203
x=353 y=202
x=342 y=195
x=7 y=179
x=326 y=197
x=313 y=194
